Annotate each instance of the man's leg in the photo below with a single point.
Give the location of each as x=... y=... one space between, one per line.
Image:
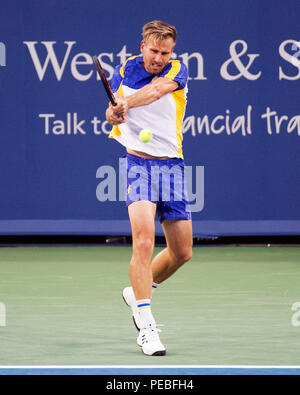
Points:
x=179 y=237
x=142 y=219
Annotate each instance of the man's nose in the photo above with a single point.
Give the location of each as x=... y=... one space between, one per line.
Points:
x=158 y=58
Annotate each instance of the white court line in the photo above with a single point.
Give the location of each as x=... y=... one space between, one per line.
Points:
x=150 y=367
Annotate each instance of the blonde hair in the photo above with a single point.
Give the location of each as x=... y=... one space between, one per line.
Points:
x=159 y=30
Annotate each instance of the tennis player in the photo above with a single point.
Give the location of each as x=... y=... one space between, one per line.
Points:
x=150 y=90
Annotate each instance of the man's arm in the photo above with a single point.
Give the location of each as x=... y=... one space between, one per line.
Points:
x=148 y=94
x=151 y=92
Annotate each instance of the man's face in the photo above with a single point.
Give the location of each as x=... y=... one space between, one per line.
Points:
x=156 y=54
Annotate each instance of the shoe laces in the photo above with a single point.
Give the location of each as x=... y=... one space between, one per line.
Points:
x=151 y=333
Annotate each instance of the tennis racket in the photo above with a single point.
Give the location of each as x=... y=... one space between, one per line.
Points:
x=104 y=81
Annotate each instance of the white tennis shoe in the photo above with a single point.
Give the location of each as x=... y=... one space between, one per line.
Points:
x=150 y=342
x=129 y=299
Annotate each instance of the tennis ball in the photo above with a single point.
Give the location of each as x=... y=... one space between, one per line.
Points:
x=145 y=136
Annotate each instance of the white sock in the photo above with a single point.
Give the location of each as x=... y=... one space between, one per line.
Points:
x=144 y=307
x=154 y=287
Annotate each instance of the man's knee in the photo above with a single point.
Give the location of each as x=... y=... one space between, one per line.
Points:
x=144 y=245
x=183 y=255
x=187 y=255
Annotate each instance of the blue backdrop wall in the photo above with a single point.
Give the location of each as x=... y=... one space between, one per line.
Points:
x=241 y=130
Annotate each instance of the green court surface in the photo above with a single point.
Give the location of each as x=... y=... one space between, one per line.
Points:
x=228 y=306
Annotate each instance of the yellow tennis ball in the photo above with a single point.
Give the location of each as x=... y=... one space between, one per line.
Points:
x=145 y=136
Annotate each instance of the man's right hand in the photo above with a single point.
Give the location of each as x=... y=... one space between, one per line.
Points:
x=117 y=114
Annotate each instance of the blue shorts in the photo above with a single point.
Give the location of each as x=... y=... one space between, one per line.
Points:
x=159 y=181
